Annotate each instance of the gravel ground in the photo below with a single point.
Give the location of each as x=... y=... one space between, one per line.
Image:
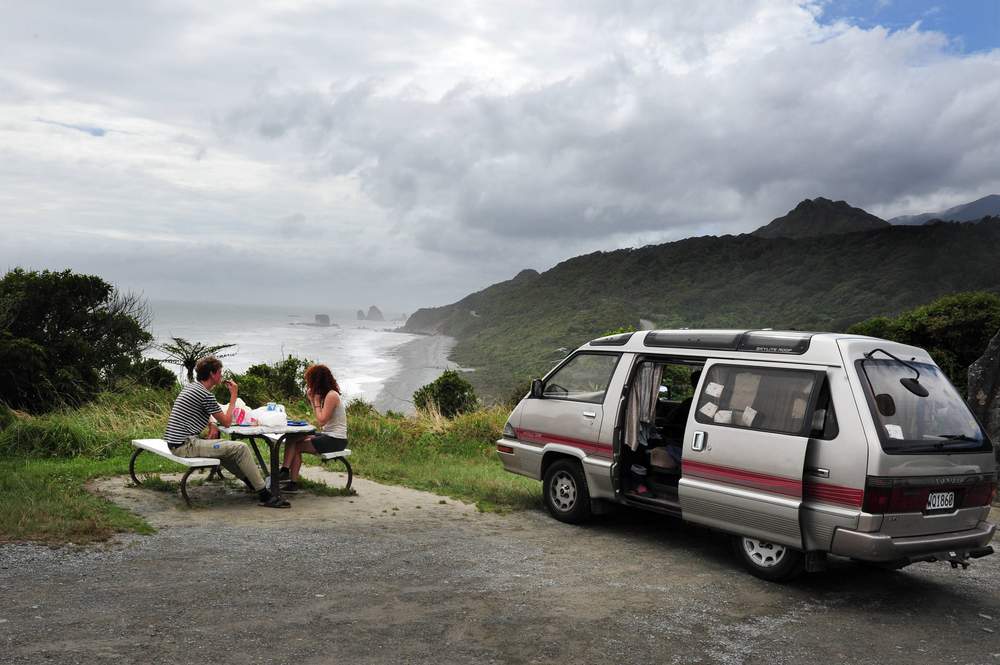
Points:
x=393 y=575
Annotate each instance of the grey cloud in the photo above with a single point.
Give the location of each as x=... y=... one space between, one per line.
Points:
x=625 y=147
x=434 y=149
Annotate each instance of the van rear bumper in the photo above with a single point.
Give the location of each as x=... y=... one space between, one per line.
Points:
x=882 y=548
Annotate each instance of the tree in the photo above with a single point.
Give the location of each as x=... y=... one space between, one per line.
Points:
x=64 y=336
x=450 y=393
x=955 y=330
x=181 y=352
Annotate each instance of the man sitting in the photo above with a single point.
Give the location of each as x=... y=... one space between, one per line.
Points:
x=189 y=417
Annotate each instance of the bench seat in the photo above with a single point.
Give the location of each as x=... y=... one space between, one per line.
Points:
x=346 y=452
x=160 y=447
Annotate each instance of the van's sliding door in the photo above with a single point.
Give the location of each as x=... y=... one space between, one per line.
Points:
x=745 y=448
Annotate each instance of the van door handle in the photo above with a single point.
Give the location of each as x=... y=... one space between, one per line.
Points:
x=589 y=414
x=818 y=472
x=698 y=444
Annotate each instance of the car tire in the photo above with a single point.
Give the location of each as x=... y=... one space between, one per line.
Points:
x=769 y=561
x=567 y=496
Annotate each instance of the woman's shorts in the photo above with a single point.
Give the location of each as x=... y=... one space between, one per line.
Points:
x=324 y=443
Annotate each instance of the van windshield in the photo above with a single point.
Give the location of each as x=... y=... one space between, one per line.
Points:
x=908 y=423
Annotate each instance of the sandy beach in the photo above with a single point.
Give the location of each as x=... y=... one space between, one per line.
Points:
x=421 y=361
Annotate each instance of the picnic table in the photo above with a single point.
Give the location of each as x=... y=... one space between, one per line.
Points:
x=274 y=437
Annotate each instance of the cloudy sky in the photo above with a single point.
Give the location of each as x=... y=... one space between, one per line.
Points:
x=407 y=153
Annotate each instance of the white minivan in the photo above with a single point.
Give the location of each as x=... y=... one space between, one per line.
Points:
x=798 y=444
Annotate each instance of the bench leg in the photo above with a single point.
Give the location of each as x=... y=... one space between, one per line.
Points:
x=131 y=466
x=184 y=481
x=347 y=465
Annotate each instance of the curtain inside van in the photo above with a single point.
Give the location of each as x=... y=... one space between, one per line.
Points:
x=641 y=410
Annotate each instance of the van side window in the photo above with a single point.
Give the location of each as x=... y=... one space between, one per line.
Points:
x=824 y=425
x=760 y=398
x=584 y=378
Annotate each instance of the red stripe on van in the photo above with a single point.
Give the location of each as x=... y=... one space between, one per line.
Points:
x=846 y=496
x=532 y=436
x=751 y=479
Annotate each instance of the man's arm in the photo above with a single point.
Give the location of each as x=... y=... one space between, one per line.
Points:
x=225 y=418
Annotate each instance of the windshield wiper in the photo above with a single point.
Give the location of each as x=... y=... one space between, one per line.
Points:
x=957 y=437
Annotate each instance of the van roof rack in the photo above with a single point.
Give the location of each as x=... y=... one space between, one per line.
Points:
x=757 y=341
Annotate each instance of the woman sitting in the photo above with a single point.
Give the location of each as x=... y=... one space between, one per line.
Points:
x=323 y=394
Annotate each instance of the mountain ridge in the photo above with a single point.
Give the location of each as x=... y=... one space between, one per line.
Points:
x=966 y=212
x=518 y=328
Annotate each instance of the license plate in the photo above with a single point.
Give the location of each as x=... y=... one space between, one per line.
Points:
x=940 y=500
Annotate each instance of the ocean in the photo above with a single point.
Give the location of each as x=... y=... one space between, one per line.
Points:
x=362 y=354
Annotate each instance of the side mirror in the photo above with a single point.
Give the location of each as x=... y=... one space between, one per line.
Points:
x=536 y=388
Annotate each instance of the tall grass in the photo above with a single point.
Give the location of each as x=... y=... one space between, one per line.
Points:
x=99 y=429
x=451 y=457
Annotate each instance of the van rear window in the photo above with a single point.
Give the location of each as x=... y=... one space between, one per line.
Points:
x=759 y=398
x=909 y=423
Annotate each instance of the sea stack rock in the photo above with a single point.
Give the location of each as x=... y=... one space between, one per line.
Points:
x=984 y=388
x=375 y=314
x=361 y=315
x=322 y=320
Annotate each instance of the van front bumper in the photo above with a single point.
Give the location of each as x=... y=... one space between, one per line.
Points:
x=886 y=549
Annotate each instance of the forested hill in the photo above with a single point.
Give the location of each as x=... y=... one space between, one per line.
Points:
x=515 y=329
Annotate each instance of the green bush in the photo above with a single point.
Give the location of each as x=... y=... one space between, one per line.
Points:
x=279 y=382
x=449 y=393
x=955 y=330
x=150 y=372
x=66 y=337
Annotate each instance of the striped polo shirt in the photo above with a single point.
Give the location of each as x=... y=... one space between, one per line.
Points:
x=193 y=406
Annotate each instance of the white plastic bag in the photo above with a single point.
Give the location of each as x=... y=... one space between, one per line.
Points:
x=240 y=412
x=270 y=418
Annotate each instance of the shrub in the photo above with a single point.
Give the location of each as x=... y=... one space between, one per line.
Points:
x=955 y=330
x=66 y=336
x=449 y=393
x=260 y=384
x=358 y=407
x=150 y=372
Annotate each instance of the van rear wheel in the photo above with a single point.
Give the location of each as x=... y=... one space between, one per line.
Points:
x=768 y=561
x=567 y=497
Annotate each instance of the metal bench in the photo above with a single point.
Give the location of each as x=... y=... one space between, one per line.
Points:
x=342 y=455
x=160 y=447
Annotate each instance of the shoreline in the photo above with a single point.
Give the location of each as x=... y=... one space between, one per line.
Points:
x=420 y=361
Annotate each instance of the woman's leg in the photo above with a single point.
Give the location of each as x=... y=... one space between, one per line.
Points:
x=291 y=444
x=303 y=446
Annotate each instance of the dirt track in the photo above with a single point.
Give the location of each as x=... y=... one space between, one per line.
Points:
x=393 y=575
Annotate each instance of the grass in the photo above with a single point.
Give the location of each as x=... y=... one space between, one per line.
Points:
x=46 y=461
x=45 y=501
x=454 y=458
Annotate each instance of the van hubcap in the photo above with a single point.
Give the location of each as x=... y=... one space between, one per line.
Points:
x=763 y=553
x=563 y=492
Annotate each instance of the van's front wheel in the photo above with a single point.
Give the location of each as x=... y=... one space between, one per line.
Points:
x=768 y=561
x=566 y=494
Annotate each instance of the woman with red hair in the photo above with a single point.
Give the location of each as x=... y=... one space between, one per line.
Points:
x=323 y=394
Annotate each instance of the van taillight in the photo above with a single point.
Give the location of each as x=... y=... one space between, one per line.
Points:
x=889 y=495
x=881 y=496
x=979 y=495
